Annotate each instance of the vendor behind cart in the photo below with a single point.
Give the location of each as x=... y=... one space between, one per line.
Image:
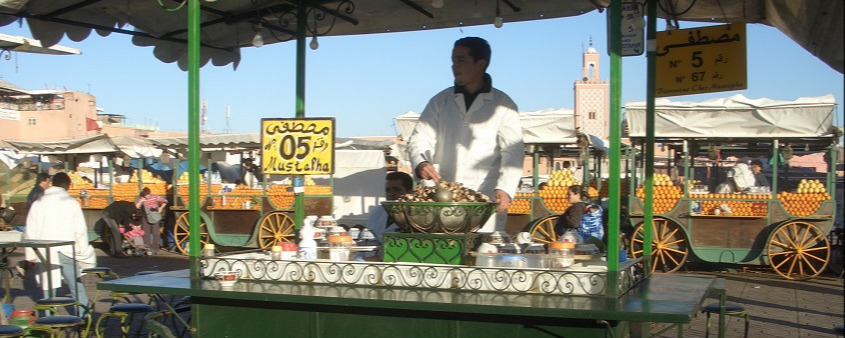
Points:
x=470 y=133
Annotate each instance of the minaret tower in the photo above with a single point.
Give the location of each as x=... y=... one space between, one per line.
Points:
x=592 y=97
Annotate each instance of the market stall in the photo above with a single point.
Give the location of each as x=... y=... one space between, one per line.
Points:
x=784 y=225
x=221 y=22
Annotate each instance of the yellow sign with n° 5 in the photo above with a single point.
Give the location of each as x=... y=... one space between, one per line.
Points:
x=701 y=60
x=298 y=146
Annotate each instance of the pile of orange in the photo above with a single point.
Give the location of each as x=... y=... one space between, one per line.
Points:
x=737 y=208
x=236 y=198
x=146 y=177
x=521 y=203
x=666 y=194
x=129 y=191
x=318 y=190
x=554 y=192
x=806 y=200
x=554 y=197
x=183 y=191
x=605 y=188
x=280 y=196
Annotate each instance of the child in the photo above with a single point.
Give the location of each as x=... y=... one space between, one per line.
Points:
x=135 y=234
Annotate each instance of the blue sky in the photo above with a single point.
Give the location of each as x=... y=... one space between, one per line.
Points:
x=365 y=81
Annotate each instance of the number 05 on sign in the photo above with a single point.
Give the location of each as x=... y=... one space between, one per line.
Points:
x=297 y=146
x=701 y=60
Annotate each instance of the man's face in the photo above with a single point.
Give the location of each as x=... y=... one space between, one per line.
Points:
x=465 y=68
x=756 y=168
x=393 y=189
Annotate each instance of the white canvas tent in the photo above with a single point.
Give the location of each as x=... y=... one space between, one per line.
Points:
x=98 y=144
x=358 y=184
x=736 y=117
x=542 y=126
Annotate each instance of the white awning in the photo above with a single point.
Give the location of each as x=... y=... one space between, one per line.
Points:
x=735 y=117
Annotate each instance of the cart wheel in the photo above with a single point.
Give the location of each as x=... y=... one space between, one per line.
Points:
x=181 y=231
x=798 y=250
x=669 y=245
x=543 y=230
x=275 y=227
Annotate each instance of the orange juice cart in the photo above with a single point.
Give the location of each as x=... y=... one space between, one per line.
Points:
x=696 y=217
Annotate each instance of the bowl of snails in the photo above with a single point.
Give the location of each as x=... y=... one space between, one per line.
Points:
x=448 y=208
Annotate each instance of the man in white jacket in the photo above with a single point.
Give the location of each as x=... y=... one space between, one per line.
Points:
x=470 y=133
x=58 y=216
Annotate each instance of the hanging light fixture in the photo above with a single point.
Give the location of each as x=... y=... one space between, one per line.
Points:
x=257 y=40
x=498 y=22
x=314 y=44
x=437 y=4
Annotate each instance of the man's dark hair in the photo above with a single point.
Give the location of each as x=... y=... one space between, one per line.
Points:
x=757 y=163
x=42 y=177
x=61 y=180
x=406 y=179
x=479 y=49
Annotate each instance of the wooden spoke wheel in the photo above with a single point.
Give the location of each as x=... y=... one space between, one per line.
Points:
x=798 y=250
x=669 y=245
x=181 y=233
x=543 y=230
x=275 y=227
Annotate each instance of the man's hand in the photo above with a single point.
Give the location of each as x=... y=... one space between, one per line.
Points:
x=504 y=200
x=426 y=171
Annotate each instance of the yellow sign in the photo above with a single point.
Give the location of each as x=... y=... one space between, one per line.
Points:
x=701 y=60
x=297 y=146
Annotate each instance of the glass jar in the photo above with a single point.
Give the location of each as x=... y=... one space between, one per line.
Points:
x=339 y=248
x=561 y=254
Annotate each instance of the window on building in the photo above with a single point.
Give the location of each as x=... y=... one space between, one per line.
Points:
x=592 y=115
x=31 y=121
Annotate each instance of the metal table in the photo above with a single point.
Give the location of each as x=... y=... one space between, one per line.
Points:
x=254 y=308
x=6 y=248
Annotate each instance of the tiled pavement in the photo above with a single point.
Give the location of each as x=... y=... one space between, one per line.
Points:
x=778 y=307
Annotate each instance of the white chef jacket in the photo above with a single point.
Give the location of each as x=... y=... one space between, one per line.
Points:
x=480 y=147
x=377 y=223
x=57 y=216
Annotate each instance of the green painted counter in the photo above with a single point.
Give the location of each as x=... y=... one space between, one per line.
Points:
x=267 y=309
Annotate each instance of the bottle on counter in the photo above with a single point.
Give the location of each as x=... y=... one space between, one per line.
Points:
x=208 y=250
x=276 y=252
x=486 y=255
x=307 y=244
x=289 y=250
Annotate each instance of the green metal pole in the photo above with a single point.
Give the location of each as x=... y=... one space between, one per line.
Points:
x=615 y=39
x=194 y=133
x=301 y=17
x=648 y=182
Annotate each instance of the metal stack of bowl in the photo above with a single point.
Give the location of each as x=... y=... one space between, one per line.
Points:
x=440 y=217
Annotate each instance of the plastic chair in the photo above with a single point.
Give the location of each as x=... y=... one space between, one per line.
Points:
x=104 y=274
x=9 y=331
x=56 y=325
x=124 y=312
x=53 y=304
x=734 y=310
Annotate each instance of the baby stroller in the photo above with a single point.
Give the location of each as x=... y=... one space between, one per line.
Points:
x=133 y=243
